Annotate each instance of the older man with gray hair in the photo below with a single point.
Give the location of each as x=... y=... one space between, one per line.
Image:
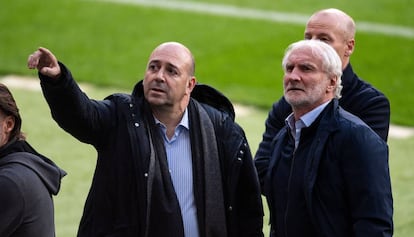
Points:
x=328 y=172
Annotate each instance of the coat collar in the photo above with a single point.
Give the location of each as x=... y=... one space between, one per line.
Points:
x=203 y=94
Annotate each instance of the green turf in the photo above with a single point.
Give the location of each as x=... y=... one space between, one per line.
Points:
x=108 y=44
x=397 y=12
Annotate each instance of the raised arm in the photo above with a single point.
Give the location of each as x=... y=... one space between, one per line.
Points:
x=84 y=118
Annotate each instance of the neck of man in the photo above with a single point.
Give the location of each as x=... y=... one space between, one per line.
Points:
x=170 y=117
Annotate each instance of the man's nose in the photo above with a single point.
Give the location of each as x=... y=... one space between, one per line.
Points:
x=160 y=75
x=293 y=74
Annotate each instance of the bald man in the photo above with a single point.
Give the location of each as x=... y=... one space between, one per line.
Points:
x=171 y=159
x=337 y=29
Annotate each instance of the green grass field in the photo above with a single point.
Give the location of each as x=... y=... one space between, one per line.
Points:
x=107 y=45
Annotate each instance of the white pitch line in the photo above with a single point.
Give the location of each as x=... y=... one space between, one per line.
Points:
x=274 y=16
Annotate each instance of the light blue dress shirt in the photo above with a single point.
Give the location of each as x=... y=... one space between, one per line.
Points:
x=178 y=150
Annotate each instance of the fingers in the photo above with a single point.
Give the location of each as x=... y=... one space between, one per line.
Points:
x=41 y=58
x=45 y=62
x=46 y=52
x=33 y=60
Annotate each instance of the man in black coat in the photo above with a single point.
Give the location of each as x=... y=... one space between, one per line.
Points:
x=337 y=29
x=171 y=159
x=328 y=172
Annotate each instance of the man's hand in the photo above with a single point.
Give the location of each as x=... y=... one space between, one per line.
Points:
x=45 y=62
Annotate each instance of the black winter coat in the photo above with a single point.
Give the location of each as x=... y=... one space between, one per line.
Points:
x=116 y=204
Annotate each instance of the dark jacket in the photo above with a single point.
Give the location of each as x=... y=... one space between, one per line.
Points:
x=27 y=182
x=346 y=180
x=116 y=204
x=358 y=97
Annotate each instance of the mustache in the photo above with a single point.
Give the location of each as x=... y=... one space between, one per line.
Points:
x=294 y=87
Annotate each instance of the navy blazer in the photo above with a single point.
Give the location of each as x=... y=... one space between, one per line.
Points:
x=347 y=184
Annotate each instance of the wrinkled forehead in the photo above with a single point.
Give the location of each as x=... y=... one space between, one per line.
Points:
x=303 y=54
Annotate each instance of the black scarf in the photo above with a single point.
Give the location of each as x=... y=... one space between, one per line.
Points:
x=164 y=215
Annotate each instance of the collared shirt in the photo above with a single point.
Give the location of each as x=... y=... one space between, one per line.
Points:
x=178 y=150
x=305 y=121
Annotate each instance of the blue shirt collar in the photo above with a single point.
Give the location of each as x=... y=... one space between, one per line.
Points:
x=308 y=118
x=184 y=124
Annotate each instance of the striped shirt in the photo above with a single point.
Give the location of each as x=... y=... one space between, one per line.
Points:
x=178 y=150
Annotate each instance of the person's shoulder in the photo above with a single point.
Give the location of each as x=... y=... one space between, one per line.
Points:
x=121 y=100
x=17 y=173
x=354 y=127
x=223 y=122
x=23 y=192
x=119 y=96
x=359 y=87
x=363 y=88
x=12 y=196
x=216 y=115
x=9 y=175
x=368 y=89
x=213 y=99
x=15 y=180
x=346 y=118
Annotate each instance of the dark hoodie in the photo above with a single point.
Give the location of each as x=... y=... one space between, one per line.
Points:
x=27 y=182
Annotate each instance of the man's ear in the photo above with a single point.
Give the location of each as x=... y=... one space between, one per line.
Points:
x=332 y=85
x=8 y=124
x=350 y=46
x=191 y=83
